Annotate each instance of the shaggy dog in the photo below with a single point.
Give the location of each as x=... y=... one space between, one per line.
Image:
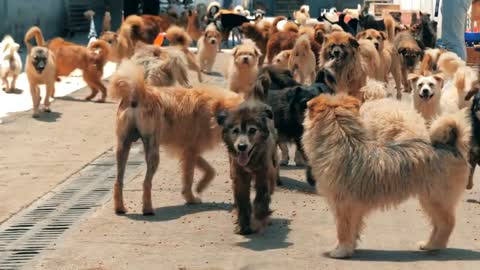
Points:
x=162 y=67
x=302 y=15
x=40 y=68
x=448 y=63
x=258 y=35
x=194 y=27
x=177 y=118
x=352 y=61
x=70 y=56
x=10 y=62
x=179 y=39
x=410 y=54
x=302 y=60
x=250 y=138
x=382 y=175
x=430 y=59
x=281 y=60
x=387 y=24
x=425 y=32
x=122 y=44
x=475 y=149
x=243 y=69
x=389 y=60
x=427 y=95
x=208 y=45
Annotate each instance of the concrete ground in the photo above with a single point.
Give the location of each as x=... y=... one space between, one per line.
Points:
x=37 y=155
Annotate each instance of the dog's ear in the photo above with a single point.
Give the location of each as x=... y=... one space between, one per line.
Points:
x=439 y=79
x=353 y=42
x=257 y=51
x=383 y=35
x=361 y=35
x=412 y=77
x=234 y=51
x=349 y=103
x=472 y=92
x=221 y=117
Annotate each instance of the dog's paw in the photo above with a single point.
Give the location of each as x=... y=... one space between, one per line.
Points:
x=284 y=162
x=193 y=200
x=148 y=212
x=424 y=245
x=47 y=110
x=470 y=185
x=36 y=115
x=243 y=230
x=120 y=210
x=341 y=252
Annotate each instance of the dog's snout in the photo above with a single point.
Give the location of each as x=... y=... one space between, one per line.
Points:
x=212 y=41
x=377 y=45
x=242 y=147
x=425 y=92
x=336 y=52
x=245 y=59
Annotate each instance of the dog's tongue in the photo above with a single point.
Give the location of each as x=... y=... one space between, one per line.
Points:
x=243 y=158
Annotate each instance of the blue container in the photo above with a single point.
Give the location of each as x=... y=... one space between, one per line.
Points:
x=472 y=38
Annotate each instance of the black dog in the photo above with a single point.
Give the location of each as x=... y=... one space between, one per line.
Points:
x=426 y=32
x=227 y=23
x=350 y=27
x=475 y=147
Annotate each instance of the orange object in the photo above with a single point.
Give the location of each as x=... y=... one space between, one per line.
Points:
x=159 y=39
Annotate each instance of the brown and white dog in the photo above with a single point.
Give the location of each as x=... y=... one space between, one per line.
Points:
x=410 y=54
x=208 y=45
x=243 y=69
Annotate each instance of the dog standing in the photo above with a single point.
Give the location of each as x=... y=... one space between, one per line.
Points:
x=302 y=60
x=208 y=45
x=244 y=67
x=410 y=54
x=10 y=62
x=40 y=67
x=250 y=138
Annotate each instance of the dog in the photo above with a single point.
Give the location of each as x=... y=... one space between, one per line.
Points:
x=258 y=35
x=243 y=69
x=389 y=60
x=387 y=24
x=194 y=26
x=410 y=54
x=10 y=62
x=353 y=61
x=70 y=56
x=122 y=44
x=208 y=45
x=282 y=59
x=475 y=148
x=179 y=39
x=40 y=67
x=382 y=175
x=177 y=118
x=225 y=20
x=272 y=77
x=162 y=67
x=427 y=95
x=425 y=32
x=448 y=63
x=302 y=15
x=302 y=60
x=250 y=139
x=429 y=62
x=107 y=22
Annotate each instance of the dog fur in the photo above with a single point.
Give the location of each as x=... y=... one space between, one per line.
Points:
x=243 y=69
x=430 y=59
x=250 y=138
x=177 y=118
x=208 y=45
x=382 y=175
x=475 y=148
x=259 y=36
x=282 y=59
x=387 y=24
x=40 y=68
x=409 y=53
x=194 y=29
x=10 y=62
x=302 y=60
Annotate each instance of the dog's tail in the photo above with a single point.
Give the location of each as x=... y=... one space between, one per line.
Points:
x=9 y=45
x=452 y=132
x=132 y=27
x=34 y=32
x=103 y=50
x=178 y=36
x=389 y=27
x=127 y=84
x=290 y=27
x=448 y=63
x=274 y=28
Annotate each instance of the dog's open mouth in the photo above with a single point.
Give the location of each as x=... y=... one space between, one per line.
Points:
x=244 y=157
x=426 y=96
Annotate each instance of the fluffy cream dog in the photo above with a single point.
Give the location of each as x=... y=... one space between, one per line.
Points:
x=382 y=175
x=281 y=60
x=208 y=45
x=243 y=70
x=426 y=95
x=10 y=62
x=302 y=60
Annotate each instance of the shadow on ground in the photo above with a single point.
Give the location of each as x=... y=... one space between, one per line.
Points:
x=15 y=91
x=177 y=211
x=293 y=184
x=273 y=237
x=49 y=117
x=449 y=254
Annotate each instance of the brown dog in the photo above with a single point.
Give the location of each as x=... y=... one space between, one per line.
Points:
x=193 y=25
x=177 y=118
x=250 y=137
x=260 y=37
x=40 y=69
x=389 y=59
x=70 y=56
x=122 y=44
x=410 y=54
x=351 y=60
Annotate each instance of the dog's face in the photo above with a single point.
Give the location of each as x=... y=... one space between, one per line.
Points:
x=110 y=37
x=376 y=37
x=410 y=56
x=340 y=47
x=212 y=37
x=281 y=59
x=426 y=88
x=321 y=30
x=39 y=58
x=246 y=130
x=246 y=55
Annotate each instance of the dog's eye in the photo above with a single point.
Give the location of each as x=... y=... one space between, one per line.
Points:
x=297 y=54
x=235 y=131
x=369 y=38
x=430 y=84
x=252 y=131
x=342 y=46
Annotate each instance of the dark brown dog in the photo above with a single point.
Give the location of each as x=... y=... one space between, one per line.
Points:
x=410 y=54
x=250 y=136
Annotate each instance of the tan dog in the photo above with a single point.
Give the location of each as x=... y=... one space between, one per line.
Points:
x=302 y=60
x=40 y=68
x=281 y=60
x=429 y=62
x=243 y=70
x=383 y=175
x=10 y=62
x=70 y=56
x=427 y=94
x=177 y=118
x=208 y=45
x=353 y=61
x=389 y=59
x=409 y=53
x=122 y=44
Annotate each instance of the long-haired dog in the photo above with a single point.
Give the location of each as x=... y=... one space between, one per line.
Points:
x=10 y=62
x=250 y=138
x=302 y=15
x=302 y=60
x=177 y=118
x=410 y=54
x=243 y=69
x=122 y=44
x=281 y=60
x=179 y=39
x=40 y=68
x=367 y=21
x=208 y=45
x=427 y=95
x=430 y=59
x=389 y=60
x=475 y=149
x=162 y=67
x=258 y=35
x=382 y=175
x=352 y=60
x=70 y=56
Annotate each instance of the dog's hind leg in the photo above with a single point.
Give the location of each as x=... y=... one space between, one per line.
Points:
x=152 y=158
x=92 y=86
x=188 y=162
x=442 y=217
x=95 y=84
x=285 y=157
x=5 y=82
x=397 y=75
x=35 y=92
x=241 y=193
x=13 y=83
x=209 y=174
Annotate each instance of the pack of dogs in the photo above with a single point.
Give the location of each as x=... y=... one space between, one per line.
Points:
x=322 y=84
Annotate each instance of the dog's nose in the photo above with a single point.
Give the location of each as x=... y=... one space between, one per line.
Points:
x=245 y=59
x=377 y=45
x=213 y=41
x=425 y=92
x=336 y=52
x=242 y=147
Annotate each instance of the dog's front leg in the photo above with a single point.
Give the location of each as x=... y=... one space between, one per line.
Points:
x=241 y=192
x=261 y=204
